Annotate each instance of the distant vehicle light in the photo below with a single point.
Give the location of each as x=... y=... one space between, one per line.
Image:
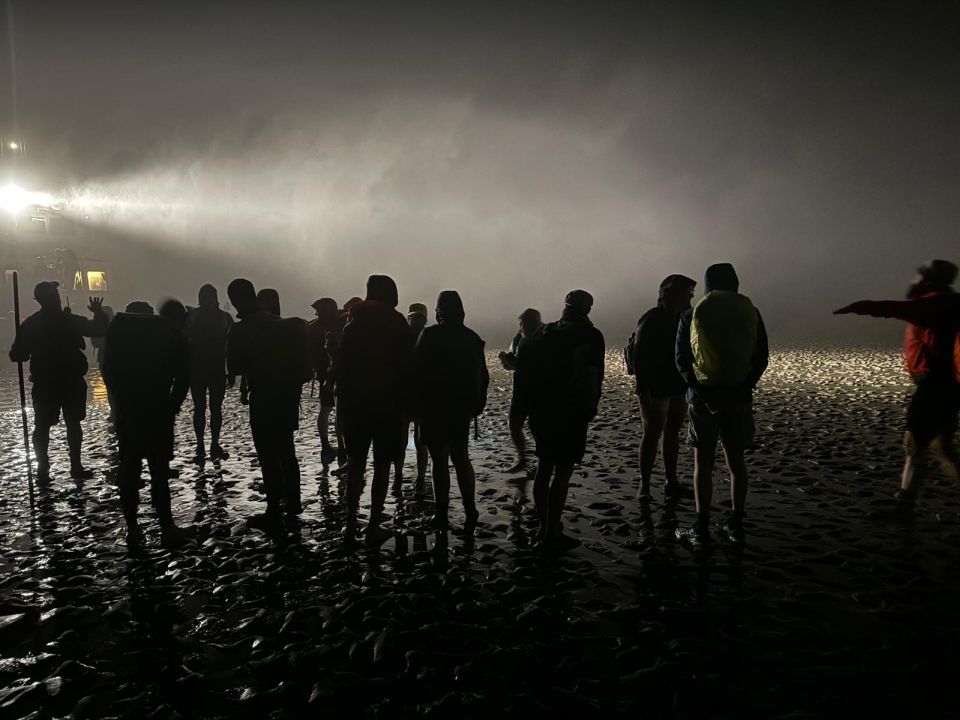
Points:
x=14 y=199
x=14 y=146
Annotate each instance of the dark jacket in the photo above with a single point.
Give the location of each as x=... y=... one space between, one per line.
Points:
x=52 y=340
x=937 y=314
x=654 y=349
x=145 y=365
x=372 y=362
x=561 y=371
x=450 y=377
x=271 y=353
x=207 y=329
x=685 y=364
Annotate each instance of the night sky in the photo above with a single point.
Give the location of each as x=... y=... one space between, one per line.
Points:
x=512 y=151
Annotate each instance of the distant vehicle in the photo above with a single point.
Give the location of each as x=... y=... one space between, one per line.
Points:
x=41 y=243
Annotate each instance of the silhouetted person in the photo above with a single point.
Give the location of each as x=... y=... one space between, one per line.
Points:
x=450 y=389
x=932 y=356
x=660 y=388
x=99 y=343
x=207 y=329
x=145 y=366
x=721 y=353
x=52 y=340
x=333 y=349
x=561 y=379
x=416 y=321
x=373 y=362
x=529 y=322
x=323 y=332
x=269 y=301
x=272 y=354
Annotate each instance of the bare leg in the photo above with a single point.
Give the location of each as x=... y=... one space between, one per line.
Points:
x=356 y=479
x=703 y=461
x=654 y=418
x=74 y=443
x=199 y=394
x=737 y=466
x=519 y=441
x=41 y=448
x=676 y=414
x=466 y=478
x=910 y=479
x=378 y=492
x=323 y=425
x=946 y=454
x=440 y=455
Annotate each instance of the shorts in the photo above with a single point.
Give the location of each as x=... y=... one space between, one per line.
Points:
x=932 y=411
x=437 y=431
x=52 y=397
x=732 y=425
x=384 y=434
x=559 y=438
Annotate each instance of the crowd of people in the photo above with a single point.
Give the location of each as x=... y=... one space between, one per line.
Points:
x=379 y=374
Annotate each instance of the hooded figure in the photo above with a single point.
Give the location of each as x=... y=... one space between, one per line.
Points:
x=560 y=376
x=721 y=352
x=370 y=372
x=450 y=388
x=207 y=329
x=659 y=385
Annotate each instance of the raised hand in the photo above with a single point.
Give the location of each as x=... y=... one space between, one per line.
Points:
x=96 y=305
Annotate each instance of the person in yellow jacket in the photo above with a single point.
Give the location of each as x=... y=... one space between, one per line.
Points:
x=721 y=353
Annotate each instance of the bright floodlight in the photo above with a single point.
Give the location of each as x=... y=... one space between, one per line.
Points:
x=14 y=146
x=14 y=199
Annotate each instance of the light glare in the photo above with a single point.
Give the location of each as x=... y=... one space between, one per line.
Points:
x=14 y=199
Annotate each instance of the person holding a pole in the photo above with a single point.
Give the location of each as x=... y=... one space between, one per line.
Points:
x=53 y=341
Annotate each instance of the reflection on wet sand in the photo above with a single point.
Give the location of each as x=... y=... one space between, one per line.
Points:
x=833 y=592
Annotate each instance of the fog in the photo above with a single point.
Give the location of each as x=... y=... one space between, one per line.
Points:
x=512 y=154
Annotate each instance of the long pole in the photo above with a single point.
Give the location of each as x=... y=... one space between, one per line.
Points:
x=23 y=389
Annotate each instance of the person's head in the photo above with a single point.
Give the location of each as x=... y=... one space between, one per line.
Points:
x=47 y=295
x=529 y=321
x=207 y=297
x=382 y=289
x=173 y=312
x=269 y=299
x=109 y=312
x=933 y=276
x=242 y=296
x=676 y=292
x=139 y=307
x=326 y=309
x=450 y=307
x=578 y=302
x=417 y=315
x=721 y=276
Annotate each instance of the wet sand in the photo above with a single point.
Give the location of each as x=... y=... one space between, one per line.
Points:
x=838 y=605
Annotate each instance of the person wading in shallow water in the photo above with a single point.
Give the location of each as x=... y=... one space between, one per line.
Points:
x=721 y=352
x=207 y=329
x=529 y=322
x=450 y=381
x=560 y=381
x=372 y=365
x=416 y=320
x=660 y=388
x=932 y=357
x=52 y=340
x=145 y=367
x=333 y=348
x=272 y=354
x=320 y=332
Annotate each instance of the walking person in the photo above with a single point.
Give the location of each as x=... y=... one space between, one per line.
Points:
x=145 y=367
x=450 y=389
x=52 y=340
x=721 y=352
x=931 y=353
x=529 y=323
x=372 y=366
x=659 y=387
x=207 y=329
x=560 y=381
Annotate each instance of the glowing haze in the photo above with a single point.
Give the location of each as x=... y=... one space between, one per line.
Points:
x=512 y=154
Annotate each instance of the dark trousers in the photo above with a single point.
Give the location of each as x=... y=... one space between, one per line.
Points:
x=274 y=444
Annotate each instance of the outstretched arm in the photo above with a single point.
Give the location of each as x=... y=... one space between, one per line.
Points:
x=925 y=312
